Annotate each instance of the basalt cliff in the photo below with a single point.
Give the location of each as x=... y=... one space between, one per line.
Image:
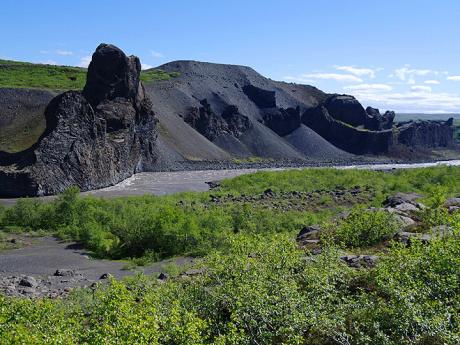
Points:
x=117 y=125
x=93 y=138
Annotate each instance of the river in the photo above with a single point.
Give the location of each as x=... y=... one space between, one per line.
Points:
x=161 y=183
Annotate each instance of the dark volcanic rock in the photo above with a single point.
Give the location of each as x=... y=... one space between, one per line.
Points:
x=262 y=98
x=282 y=121
x=93 y=138
x=112 y=74
x=236 y=122
x=347 y=109
x=377 y=122
x=211 y=125
x=345 y=136
x=426 y=133
x=28 y=281
x=205 y=121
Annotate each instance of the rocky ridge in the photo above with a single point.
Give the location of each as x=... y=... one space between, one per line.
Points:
x=94 y=138
x=210 y=113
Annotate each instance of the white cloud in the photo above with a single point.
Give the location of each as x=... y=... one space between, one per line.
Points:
x=369 y=87
x=420 y=88
x=64 y=52
x=308 y=78
x=432 y=82
x=84 y=61
x=359 y=71
x=57 y=52
x=156 y=54
x=146 y=66
x=419 y=101
x=408 y=74
x=454 y=78
x=48 y=62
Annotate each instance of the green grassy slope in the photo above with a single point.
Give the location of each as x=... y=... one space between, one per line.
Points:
x=17 y=74
x=27 y=75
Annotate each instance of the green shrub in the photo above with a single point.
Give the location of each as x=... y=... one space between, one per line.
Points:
x=261 y=291
x=437 y=213
x=364 y=228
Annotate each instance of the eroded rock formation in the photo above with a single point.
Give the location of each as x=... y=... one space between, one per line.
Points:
x=93 y=138
x=211 y=125
x=427 y=134
x=343 y=134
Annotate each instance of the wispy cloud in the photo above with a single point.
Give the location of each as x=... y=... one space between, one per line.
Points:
x=48 y=62
x=368 y=87
x=146 y=66
x=420 y=88
x=64 y=52
x=311 y=77
x=432 y=82
x=61 y=52
x=408 y=74
x=84 y=61
x=417 y=100
x=156 y=54
x=359 y=71
x=454 y=78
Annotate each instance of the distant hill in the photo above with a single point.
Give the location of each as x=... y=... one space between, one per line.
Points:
x=425 y=116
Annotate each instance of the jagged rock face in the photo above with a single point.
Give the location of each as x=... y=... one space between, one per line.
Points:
x=262 y=98
x=237 y=123
x=211 y=125
x=282 y=121
x=378 y=122
x=112 y=74
x=346 y=109
x=427 y=134
x=93 y=138
x=345 y=136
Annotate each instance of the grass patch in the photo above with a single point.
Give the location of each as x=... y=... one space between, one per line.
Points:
x=28 y=75
x=153 y=75
x=17 y=74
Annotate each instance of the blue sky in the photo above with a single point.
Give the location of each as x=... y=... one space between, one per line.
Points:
x=402 y=55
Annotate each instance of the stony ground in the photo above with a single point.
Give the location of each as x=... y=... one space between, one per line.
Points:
x=46 y=266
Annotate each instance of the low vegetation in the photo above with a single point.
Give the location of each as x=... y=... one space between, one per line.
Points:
x=152 y=75
x=256 y=285
x=16 y=74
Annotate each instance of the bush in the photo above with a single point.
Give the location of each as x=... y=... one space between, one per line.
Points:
x=364 y=228
x=261 y=292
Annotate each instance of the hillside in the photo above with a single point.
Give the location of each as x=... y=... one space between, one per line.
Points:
x=221 y=86
x=174 y=88
x=182 y=115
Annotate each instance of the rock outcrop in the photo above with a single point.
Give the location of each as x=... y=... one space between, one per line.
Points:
x=344 y=135
x=282 y=121
x=427 y=134
x=378 y=122
x=93 y=138
x=262 y=98
x=211 y=125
